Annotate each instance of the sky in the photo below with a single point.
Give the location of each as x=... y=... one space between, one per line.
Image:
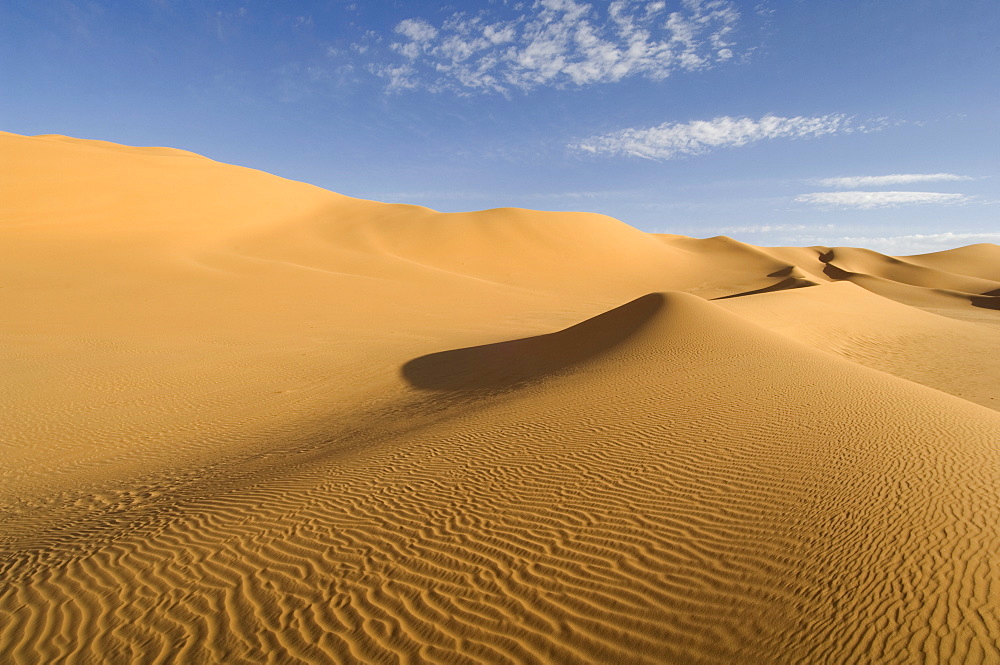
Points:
x=777 y=122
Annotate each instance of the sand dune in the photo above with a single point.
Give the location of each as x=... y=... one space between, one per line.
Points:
x=247 y=420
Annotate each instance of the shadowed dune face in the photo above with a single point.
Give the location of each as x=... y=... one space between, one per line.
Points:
x=509 y=364
x=989 y=300
x=230 y=434
x=783 y=285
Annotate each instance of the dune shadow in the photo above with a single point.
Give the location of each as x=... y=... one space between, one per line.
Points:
x=987 y=301
x=832 y=271
x=784 y=272
x=506 y=365
x=835 y=273
x=783 y=285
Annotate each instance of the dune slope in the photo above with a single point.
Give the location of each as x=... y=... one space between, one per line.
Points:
x=247 y=420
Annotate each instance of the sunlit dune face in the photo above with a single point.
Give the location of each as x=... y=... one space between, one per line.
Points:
x=249 y=420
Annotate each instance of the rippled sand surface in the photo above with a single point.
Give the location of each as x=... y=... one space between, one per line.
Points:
x=247 y=420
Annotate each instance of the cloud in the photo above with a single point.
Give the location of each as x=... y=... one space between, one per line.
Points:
x=419 y=33
x=227 y=23
x=870 y=200
x=763 y=228
x=675 y=139
x=561 y=43
x=917 y=243
x=851 y=182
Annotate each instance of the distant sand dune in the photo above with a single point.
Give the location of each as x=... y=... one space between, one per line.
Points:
x=247 y=420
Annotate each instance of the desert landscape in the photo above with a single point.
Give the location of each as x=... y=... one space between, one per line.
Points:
x=249 y=420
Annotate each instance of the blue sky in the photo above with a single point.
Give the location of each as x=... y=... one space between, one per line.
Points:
x=871 y=123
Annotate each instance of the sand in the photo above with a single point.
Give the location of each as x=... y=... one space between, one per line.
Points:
x=248 y=420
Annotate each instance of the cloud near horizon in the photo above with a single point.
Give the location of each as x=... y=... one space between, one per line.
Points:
x=676 y=139
x=870 y=200
x=916 y=243
x=852 y=182
x=561 y=43
x=763 y=228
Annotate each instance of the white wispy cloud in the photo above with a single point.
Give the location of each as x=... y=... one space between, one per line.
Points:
x=763 y=228
x=851 y=182
x=870 y=200
x=677 y=139
x=915 y=243
x=561 y=43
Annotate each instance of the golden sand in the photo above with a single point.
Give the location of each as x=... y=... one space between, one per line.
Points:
x=248 y=420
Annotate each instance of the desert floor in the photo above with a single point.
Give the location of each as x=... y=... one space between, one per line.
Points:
x=248 y=420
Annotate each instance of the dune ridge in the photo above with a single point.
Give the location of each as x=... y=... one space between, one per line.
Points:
x=248 y=420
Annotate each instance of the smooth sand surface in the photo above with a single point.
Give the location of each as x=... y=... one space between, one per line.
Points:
x=248 y=420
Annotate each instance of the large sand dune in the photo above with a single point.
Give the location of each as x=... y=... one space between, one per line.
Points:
x=247 y=420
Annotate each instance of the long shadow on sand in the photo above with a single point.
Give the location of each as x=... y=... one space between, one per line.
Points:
x=989 y=300
x=783 y=285
x=505 y=365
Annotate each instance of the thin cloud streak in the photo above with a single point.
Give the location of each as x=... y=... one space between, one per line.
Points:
x=917 y=243
x=675 y=139
x=763 y=228
x=560 y=43
x=853 y=182
x=870 y=200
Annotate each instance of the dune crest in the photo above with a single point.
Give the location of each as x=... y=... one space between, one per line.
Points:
x=248 y=420
x=509 y=364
